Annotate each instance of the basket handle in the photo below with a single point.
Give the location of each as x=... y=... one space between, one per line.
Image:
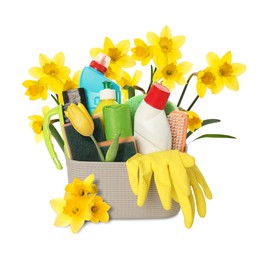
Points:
x=47 y=134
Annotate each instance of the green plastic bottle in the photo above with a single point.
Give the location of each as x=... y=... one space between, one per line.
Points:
x=107 y=98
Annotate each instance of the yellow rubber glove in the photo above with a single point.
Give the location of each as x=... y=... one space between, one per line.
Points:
x=187 y=203
x=168 y=167
x=175 y=173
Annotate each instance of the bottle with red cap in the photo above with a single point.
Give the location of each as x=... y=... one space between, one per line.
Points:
x=151 y=128
x=92 y=78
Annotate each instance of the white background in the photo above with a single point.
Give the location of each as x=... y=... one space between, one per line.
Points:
x=29 y=179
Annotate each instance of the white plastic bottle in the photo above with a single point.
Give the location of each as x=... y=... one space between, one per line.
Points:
x=151 y=128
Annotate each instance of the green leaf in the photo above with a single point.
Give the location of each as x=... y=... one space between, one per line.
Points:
x=214 y=136
x=131 y=91
x=112 y=150
x=205 y=122
x=57 y=136
x=55 y=99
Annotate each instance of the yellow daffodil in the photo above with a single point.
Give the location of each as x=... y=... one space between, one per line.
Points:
x=166 y=46
x=36 y=89
x=142 y=52
x=80 y=189
x=171 y=73
x=208 y=78
x=118 y=55
x=83 y=123
x=226 y=70
x=114 y=72
x=37 y=124
x=99 y=210
x=52 y=71
x=80 y=119
x=126 y=80
x=72 y=83
x=194 y=122
x=73 y=212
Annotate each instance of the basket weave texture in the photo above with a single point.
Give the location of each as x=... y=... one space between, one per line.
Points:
x=113 y=185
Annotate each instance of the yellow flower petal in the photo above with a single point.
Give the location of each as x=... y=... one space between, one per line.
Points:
x=169 y=83
x=152 y=38
x=59 y=59
x=43 y=59
x=114 y=72
x=62 y=220
x=140 y=42
x=94 y=52
x=174 y=55
x=108 y=44
x=136 y=78
x=194 y=122
x=38 y=137
x=69 y=189
x=226 y=58
x=55 y=85
x=213 y=59
x=36 y=72
x=76 y=224
x=231 y=83
x=201 y=89
x=89 y=180
x=178 y=41
x=104 y=217
x=28 y=83
x=219 y=85
x=166 y=32
x=123 y=46
x=77 y=182
x=58 y=205
x=157 y=75
x=45 y=110
x=64 y=73
x=180 y=79
x=184 y=67
x=126 y=61
x=161 y=60
x=76 y=77
x=238 y=69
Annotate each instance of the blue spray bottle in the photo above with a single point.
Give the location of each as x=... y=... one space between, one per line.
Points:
x=92 y=79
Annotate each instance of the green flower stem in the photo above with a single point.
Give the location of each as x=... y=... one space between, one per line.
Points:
x=151 y=80
x=185 y=88
x=139 y=88
x=55 y=99
x=98 y=148
x=193 y=102
x=57 y=136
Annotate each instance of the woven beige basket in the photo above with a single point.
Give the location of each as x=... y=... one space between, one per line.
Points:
x=113 y=185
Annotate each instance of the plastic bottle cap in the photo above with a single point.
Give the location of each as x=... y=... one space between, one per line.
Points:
x=101 y=62
x=157 y=96
x=107 y=92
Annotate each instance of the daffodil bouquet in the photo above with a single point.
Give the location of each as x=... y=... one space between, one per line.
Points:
x=162 y=53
